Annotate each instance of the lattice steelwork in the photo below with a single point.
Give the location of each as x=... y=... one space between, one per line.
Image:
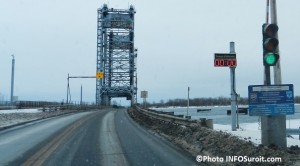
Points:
x=116 y=55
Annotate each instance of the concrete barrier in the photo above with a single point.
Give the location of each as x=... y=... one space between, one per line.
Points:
x=207 y=123
x=210 y=123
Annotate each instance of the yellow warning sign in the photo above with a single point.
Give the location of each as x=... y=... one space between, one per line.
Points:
x=99 y=74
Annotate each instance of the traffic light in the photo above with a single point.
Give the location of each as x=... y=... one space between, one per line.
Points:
x=270 y=44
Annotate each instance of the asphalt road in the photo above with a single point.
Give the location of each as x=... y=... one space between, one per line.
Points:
x=105 y=137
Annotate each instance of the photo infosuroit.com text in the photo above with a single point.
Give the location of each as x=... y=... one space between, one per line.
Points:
x=245 y=159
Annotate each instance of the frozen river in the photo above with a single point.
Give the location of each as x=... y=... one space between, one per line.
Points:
x=219 y=114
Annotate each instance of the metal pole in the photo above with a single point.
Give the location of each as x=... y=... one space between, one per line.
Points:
x=188 y=102
x=277 y=68
x=132 y=95
x=267 y=11
x=279 y=127
x=81 y=95
x=12 y=80
x=136 y=77
x=136 y=99
x=237 y=111
x=68 y=90
x=233 y=93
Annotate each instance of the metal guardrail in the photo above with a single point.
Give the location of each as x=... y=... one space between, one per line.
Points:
x=174 y=119
x=7 y=107
x=168 y=117
x=67 y=107
x=55 y=107
x=293 y=132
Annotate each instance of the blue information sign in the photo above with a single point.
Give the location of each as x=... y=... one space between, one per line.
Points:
x=271 y=100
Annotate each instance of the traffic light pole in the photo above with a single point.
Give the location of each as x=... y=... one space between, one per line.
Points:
x=277 y=68
x=273 y=127
x=267 y=76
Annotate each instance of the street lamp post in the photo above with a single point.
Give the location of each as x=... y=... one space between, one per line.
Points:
x=12 y=79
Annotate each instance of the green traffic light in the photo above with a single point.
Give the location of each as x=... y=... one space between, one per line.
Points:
x=270 y=58
x=270 y=44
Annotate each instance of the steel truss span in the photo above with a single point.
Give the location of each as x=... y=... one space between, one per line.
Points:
x=116 y=55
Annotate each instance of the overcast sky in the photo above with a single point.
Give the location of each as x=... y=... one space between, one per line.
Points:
x=176 y=41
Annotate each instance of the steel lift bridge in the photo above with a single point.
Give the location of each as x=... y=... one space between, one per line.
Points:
x=116 y=55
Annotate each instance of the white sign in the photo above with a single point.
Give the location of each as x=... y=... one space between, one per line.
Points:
x=144 y=94
x=270 y=88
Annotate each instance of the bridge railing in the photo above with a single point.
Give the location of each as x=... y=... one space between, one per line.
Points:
x=174 y=119
x=49 y=108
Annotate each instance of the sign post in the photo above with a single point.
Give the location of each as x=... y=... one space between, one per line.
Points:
x=229 y=60
x=233 y=92
x=144 y=95
x=188 y=102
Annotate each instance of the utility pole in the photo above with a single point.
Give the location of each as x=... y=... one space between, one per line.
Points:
x=188 y=102
x=68 y=89
x=12 y=79
x=81 y=95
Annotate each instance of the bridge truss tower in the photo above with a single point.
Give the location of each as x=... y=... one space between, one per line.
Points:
x=116 y=55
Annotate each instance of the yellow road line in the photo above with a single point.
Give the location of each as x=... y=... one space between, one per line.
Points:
x=42 y=155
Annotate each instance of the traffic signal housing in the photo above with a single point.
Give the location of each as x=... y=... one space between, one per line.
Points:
x=270 y=44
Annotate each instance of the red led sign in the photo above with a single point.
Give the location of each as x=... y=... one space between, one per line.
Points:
x=225 y=60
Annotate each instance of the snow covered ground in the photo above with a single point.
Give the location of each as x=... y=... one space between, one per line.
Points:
x=252 y=131
x=19 y=111
x=16 y=116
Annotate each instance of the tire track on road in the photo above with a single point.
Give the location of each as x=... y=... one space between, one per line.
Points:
x=43 y=154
